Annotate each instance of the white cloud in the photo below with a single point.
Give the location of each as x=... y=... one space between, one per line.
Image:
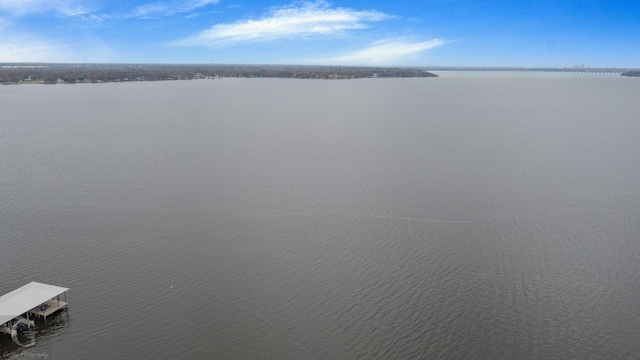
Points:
x=299 y=20
x=17 y=45
x=39 y=50
x=92 y=19
x=64 y=7
x=3 y=23
x=25 y=48
x=170 y=8
x=385 y=52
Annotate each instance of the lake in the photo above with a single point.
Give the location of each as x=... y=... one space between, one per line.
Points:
x=492 y=217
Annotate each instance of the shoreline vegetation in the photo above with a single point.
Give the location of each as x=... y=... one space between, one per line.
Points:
x=30 y=73
x=632 y=73
x=50 y=73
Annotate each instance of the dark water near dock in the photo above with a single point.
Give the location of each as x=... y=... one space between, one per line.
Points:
x=486 y=218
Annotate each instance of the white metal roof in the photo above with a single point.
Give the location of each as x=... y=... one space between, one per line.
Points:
x=25 y=298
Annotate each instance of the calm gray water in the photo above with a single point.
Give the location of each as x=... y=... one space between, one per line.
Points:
x=448 y=218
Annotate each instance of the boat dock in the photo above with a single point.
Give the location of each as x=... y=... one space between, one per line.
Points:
x=22 y=306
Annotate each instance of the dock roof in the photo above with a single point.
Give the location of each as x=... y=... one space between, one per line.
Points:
x=25 y=298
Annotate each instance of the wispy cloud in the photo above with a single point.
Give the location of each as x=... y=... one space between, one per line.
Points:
x=384 y=52
x=27 y=48
x=4 y=23
x=64 y=7
x=298 y=20
x=92 y=19
x=18 y=44
x=167 y=8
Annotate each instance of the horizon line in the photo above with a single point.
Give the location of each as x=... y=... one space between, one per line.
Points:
x=438 y=67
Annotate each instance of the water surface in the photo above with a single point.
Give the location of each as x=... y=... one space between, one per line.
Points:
x=492 y=217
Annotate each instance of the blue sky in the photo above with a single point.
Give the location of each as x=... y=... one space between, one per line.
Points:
x=596 y=33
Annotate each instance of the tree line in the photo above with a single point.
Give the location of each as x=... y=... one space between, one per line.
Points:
x=92 y=73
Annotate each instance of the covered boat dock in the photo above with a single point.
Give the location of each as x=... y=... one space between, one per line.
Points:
x=33 y=300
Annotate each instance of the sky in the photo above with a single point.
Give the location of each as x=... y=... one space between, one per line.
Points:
x=524 y=33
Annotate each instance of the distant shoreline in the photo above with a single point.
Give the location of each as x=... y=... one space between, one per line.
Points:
x=108 y=73
x=46 y=73
x=635 y=73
